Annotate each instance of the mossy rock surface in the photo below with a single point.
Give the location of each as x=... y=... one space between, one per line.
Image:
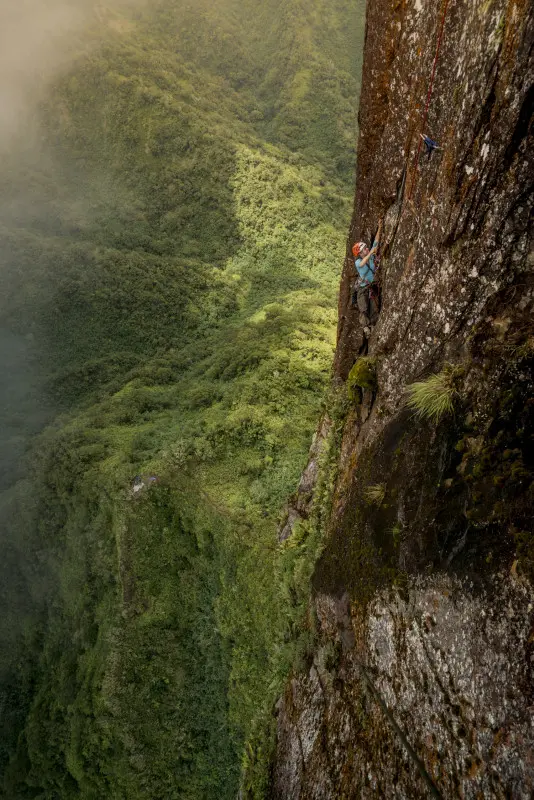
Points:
x=361 y=376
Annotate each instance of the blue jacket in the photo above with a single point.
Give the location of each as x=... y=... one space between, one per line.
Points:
x=367 y=272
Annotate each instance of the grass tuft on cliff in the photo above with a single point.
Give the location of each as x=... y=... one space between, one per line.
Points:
x=434 y=397
x=375 y=494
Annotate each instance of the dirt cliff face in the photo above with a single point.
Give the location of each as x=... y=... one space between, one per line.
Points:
x=421 y=679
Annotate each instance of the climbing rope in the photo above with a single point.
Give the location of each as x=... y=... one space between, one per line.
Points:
x=431 y=786
x=429 y=94
x=374 y=288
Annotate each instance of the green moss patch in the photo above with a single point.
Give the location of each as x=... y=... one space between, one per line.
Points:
x=361 y=376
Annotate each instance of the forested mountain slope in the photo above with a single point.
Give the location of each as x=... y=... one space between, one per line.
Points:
x=171 y=229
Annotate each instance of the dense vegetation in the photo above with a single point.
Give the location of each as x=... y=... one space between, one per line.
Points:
x=170 y=263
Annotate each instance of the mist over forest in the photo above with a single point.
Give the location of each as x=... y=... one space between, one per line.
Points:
x=176 y=185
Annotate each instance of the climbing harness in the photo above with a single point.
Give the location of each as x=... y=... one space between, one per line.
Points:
x=429 y=96
x=373 y=295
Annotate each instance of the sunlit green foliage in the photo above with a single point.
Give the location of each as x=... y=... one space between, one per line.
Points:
x=171 y=269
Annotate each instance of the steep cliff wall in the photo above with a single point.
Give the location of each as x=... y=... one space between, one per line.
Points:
x=420 y=682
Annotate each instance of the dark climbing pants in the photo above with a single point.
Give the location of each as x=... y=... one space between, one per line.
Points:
x=367 y=306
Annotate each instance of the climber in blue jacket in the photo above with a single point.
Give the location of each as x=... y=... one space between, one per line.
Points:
x=364 y=264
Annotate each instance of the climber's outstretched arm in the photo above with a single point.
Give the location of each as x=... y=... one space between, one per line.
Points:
x=379 y=232
x=363 y=261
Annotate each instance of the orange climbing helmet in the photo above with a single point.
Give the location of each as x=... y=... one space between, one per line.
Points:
x=356 y=248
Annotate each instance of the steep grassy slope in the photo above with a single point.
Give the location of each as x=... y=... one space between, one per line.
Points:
x=169 y=273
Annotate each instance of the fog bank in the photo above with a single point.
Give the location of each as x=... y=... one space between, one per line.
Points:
x=35 y=42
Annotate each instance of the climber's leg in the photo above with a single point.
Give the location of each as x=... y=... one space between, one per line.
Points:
x=363 y=305
x=374 y=308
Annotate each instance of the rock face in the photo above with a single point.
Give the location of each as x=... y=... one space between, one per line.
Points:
x=439 y=660
x=420 y=683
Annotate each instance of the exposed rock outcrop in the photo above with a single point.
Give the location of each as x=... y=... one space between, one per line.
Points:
x=421 y=679
x=299 y=505
x=439 y=659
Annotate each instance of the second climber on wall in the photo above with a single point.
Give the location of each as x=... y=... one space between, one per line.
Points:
x=365 y=294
